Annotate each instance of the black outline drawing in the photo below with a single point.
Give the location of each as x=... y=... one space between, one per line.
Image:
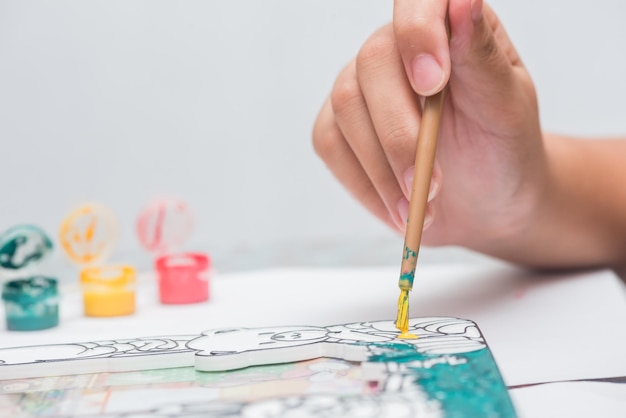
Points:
x=227 y=349
x=396 y=392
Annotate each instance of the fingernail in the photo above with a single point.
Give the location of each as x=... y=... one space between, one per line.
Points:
x=434 y=189
x=403 y=212
x=428 y=76
x=477 y=10
x=435 y=183
x=408 y=180
x=429 y=216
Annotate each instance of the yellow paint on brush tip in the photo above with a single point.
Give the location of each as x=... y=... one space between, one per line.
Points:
x=402 y=321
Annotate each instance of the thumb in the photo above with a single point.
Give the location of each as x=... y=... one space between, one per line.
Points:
x=420 y=30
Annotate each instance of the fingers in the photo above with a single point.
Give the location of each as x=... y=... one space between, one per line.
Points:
x=429 y=215
x=482 y=55
x=333 y=149
x=393 y=106
x=368 y=130
x=353 y=117
x=478 y=38
x=435 y=186
x=395 y=113
x=476 y=53
x=420 y=30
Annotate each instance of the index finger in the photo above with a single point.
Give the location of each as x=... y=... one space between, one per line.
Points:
x=420 y=30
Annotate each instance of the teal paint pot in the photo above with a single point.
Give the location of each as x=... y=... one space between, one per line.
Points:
x=31 y=304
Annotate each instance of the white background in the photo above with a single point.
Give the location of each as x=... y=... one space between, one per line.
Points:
x=214 y=101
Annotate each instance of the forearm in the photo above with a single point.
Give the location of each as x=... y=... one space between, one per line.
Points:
x=580 y=215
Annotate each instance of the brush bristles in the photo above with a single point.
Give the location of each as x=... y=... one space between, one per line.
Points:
x=402 y=320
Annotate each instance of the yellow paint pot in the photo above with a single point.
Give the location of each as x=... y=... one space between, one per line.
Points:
x=108 y=290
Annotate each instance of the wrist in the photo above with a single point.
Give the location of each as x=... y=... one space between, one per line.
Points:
x=573 y=215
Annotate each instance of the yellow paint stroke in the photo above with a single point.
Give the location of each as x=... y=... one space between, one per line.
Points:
x=402 y=321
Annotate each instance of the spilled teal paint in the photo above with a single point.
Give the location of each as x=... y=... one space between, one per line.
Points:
x=392 y=352
x=465 y=385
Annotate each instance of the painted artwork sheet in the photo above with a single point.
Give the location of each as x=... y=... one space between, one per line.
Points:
x=359 y=370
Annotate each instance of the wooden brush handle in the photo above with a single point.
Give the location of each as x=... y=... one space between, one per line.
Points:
x=424 y=162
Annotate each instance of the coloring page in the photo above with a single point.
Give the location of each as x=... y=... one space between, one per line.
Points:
x=359 y=369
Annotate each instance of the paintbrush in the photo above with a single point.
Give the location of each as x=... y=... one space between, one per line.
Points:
x=423 y=173
x=424 y=162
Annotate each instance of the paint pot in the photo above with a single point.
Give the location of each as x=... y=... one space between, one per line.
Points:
x=183 y=278
x=108 y=290
x=31 y=304
x=23 y=247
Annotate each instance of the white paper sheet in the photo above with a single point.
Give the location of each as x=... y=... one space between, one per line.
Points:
x=571 y=400
x=539 y=328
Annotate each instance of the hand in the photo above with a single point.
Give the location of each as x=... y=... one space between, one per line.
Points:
x=491 y=165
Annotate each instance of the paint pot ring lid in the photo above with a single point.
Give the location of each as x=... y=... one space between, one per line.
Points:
x=23 y=246
x=89 y=234
x=182 y=262
x=30 y=290
x=110 y=276
x=164 y=225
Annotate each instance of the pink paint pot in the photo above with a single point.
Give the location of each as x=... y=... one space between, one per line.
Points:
x=183 y=278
